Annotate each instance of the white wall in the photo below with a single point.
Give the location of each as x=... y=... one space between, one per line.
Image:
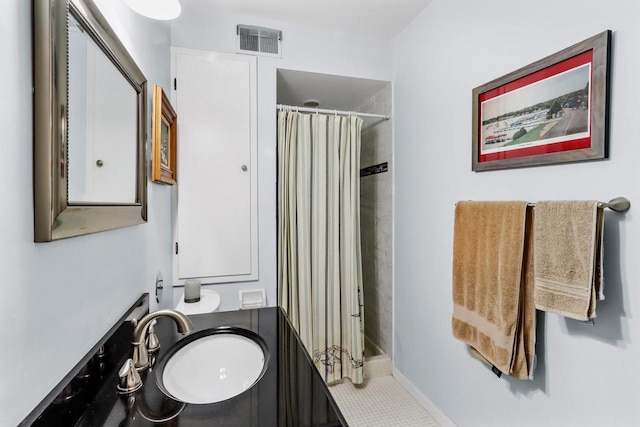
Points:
x=304 y=49
x=587 y=376
x=58 y=299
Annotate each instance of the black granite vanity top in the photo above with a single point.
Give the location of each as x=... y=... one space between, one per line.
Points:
x=291 y=392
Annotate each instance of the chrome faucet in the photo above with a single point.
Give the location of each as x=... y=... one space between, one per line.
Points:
x=140 y=351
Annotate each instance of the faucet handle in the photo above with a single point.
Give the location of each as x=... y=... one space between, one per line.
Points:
x=140 y=355
x=153 y=343
x=130 y=380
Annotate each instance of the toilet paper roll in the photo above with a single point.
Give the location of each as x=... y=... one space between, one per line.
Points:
x=209 y=302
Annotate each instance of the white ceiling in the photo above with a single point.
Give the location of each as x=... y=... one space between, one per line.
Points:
x=333 y=92
x=384 y=18
x=378 y=18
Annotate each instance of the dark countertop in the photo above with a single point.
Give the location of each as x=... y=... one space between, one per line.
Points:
x=291 y=392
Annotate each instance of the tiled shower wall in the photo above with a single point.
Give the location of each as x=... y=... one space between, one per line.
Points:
x=376 y=222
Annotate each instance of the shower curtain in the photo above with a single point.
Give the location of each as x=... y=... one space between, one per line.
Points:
x=319 y=255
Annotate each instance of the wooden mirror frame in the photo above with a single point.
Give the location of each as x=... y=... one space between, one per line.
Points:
x=54 y=217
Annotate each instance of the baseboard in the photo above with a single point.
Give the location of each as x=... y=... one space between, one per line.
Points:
x=423 y=400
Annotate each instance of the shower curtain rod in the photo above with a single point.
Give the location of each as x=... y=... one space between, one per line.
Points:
x=326 y=111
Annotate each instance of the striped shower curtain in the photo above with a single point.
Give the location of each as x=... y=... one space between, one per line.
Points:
x=319 y=255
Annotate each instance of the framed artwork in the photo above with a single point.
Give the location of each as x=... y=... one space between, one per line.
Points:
x=551 y=111
x=164 y=139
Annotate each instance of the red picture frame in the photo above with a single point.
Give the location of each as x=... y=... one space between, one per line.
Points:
x=551 y=111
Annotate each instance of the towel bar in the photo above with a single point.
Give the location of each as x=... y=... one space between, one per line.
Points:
x=618 y=204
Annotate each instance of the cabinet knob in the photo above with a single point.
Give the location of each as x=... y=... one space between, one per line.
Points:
x=99 y=163
x=244 y=168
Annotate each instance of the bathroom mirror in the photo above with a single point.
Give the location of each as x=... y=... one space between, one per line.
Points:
x=89 y=124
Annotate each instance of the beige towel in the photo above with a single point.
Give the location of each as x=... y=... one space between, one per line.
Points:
x=492 y=284
x=568 y=257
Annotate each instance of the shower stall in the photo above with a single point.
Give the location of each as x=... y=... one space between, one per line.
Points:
x=376 y=225
x=364 y=96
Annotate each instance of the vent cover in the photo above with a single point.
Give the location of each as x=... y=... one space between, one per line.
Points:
x=259 y=41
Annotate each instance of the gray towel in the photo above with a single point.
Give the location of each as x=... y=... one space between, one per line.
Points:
x=568 y=257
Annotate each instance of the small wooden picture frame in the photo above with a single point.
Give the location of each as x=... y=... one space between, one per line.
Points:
x=164 y=137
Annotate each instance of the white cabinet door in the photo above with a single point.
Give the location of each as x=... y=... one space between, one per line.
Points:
x=215 y=211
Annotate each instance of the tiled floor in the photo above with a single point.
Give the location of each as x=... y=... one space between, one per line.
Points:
x=380 y=402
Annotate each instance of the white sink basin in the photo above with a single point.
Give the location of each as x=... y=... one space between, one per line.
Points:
x=212 y=365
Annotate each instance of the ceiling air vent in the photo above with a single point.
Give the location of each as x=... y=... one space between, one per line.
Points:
x=259 y=41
